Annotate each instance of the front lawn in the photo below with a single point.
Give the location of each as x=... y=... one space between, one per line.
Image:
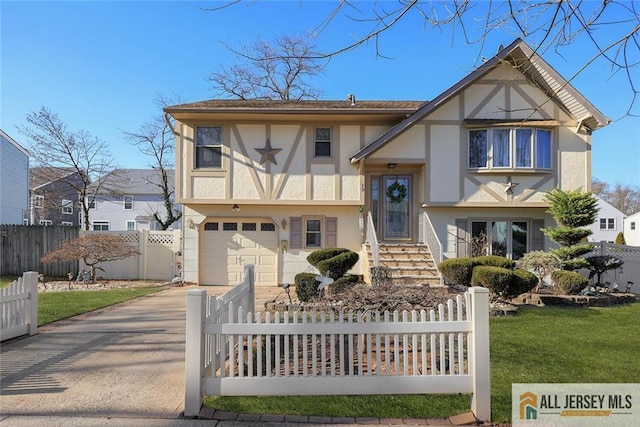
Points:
x=547 y=345
x=53 y=306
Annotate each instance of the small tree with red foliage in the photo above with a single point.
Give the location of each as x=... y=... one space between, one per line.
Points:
x=93 y=249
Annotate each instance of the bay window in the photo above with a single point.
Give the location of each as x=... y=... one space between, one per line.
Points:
x=511 y=148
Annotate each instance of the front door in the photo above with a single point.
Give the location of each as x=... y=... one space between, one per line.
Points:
x=391 y=206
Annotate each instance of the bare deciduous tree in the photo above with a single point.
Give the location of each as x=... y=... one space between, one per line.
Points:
x=156 y=140
x=611 y=27
x=53 y=145
x=93 y=249
x=271 y=70
x=625 y=198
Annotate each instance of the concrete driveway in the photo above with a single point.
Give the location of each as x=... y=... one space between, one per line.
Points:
x=121 y=362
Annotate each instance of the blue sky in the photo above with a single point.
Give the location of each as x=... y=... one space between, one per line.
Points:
x=99 y=65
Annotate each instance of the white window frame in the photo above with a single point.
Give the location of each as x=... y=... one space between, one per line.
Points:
x=66 y=224
x=130 y=222
x=306 y=231
x=91 y=202
x=607 y=223
x=67 y=207
x=38 y=201
x=202 y=145
x=632 y=225
x=101 y=223
x=323 y=141
x=45 y=222
x=129 y=202
x=489 y=159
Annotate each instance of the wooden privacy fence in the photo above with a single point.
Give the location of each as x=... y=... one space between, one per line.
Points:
x=22 y=246
x=19 y=303
x=232 y=351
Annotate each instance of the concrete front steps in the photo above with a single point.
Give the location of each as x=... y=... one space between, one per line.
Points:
x=408 y=263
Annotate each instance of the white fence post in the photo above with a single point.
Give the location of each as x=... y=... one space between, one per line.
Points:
x=479 y=362
x=194 y=351
x=32 y=303
x=249 y=272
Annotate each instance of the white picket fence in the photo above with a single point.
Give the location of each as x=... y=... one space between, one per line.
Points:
x=233 y=351
x=19 y=303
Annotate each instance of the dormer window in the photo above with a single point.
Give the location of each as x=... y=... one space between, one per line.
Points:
x=509 y=148
x=322 y=142
x=209 y=147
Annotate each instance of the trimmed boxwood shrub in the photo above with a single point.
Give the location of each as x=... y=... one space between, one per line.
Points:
x=338 y=265
x=521 y=282
x=496 y=279
x=306 y=286
x=495 y=261
x=457 y=271
x=569 y=282
x=343 y=283
x=322 y=254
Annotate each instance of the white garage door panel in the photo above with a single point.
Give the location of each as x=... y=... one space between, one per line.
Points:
x=224 y=253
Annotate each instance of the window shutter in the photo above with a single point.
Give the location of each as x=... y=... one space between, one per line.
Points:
x=537 y=237
x=331 y=225
x=295 y=232
x=462 y=243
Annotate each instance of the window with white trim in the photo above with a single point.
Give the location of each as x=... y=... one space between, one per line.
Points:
x=100 y=225
x=67 y=224
x=91 y=202
x=45 y=222
x=322 y=142
x=38 y=201
x=131 y=225
x=313 y=232
x=127 y=203
x=208 y=149
x=607 y=223
x=67 y=207
x=633 y=225
x=509 y=148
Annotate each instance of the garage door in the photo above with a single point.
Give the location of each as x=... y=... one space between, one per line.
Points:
x=230 y=244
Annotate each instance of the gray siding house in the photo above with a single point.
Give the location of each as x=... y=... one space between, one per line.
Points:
x=53 y=196
x=14 y=180
x=608 y=223
x=128 y=200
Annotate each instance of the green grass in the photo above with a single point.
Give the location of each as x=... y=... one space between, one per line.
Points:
x=547 y=345
x=53 y=306
x=6 y=280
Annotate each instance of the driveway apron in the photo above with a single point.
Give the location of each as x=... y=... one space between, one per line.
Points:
x=123 y=362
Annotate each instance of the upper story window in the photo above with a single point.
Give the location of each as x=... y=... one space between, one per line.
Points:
x=67 y=207
x=209 y=147
x=607 y=223
x=322 y=142
x=127 y=202
x=91 y=202
x=38 y=201
x=509 y=148
x=633 y=225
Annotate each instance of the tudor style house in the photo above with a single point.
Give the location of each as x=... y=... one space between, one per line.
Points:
x=406 y=184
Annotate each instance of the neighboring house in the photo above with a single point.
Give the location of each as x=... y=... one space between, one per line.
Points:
x=632 y=229
x=54 y=197
x=14 y=180
x=268 y=182
x=127 y=200
x=608 y=223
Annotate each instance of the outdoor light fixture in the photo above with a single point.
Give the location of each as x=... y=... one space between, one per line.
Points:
x=391 y=165
x=235 y=208
x=284 y=224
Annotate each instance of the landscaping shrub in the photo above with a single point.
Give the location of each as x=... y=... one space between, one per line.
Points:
x=322 y=254
x=495 y=261
x=521 y=282
x=569 y=282
x=457 y=271
x=540 y=263
x=343 y=283
x=496 y=279
x=338 y=265
x=306 y=286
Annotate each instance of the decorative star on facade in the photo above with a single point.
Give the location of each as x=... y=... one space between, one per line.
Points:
x=268 y=153
x=509 y=187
